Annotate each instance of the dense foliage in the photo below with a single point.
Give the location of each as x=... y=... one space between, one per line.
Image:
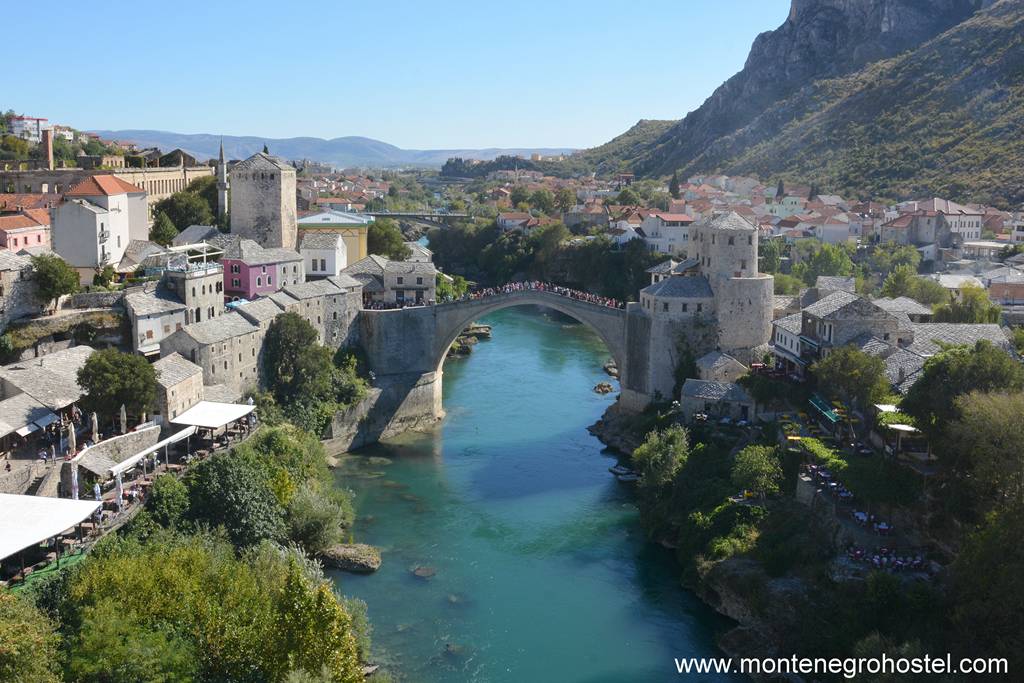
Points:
x=385 y=238
x=112 y=378
x=53 y=277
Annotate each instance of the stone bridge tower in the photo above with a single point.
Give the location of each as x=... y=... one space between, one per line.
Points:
x=263 y=206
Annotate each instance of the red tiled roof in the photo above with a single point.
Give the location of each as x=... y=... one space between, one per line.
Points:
x=97 y=185
x=15 y=221
x=40 y=216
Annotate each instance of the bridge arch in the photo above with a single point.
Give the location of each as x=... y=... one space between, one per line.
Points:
x=452 y=318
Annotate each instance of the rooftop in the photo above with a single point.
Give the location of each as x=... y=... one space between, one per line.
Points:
x=102 y=185
x=685 y=287
x=832 y=303
x=174 y=369
x=213 y=330
x=927 y=336
x=715 y=391
x=262 y=162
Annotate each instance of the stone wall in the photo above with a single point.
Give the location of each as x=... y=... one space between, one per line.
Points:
x=18 y=481
x=117 y=449
x=93 y=300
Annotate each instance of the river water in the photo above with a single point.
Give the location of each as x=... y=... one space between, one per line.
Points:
x=540 y=568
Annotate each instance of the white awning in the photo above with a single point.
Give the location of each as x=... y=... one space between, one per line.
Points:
x=211 y=415
x=131 y=461
x=28 y=520
x=27 y=429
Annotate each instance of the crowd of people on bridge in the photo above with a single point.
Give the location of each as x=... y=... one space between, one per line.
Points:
x=536 y=286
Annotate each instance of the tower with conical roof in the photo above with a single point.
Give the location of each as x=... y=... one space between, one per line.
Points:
x=222 y=184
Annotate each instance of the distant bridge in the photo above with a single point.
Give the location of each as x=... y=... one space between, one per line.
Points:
x=438 y=218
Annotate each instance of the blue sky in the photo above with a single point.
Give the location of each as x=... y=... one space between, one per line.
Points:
x=415 y=74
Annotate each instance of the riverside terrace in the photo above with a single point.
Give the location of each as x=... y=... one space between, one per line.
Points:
x=37 y=531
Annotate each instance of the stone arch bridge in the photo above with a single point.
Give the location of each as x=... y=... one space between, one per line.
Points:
x=406 y=348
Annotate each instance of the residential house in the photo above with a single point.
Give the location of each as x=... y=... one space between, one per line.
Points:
x=720 y=367
x=225 y=348
x=251 y=270
x=840 y=319
x=324 y=254
x=519 y=221
x=353 y=229
x=97 y=220
x=716 y=400
x=667 y=233
x=394 y=282
x=179 y=386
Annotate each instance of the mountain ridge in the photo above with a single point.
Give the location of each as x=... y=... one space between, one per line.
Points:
x=352 y=150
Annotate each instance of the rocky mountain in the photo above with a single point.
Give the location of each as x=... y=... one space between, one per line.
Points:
x=341 y=152
x=863 y=95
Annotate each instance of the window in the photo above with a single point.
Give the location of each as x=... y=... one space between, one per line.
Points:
x=295 y=269
x=686 y=307
x=732 y=240
x=259 y=281
x=419 y=281
x=149 y=334
x=270 y=279
x=323 y=264
x=712 y=238
x=743 y=264
x=204 y=289
x=335 y=314
x=750 y=240
x=118 y=241
x=263 y=269
x=167 y=329
x=312 y=264
x=235 y=268
x=700 y=307
x=400 y=280
x=193 y=291
x=235 y=282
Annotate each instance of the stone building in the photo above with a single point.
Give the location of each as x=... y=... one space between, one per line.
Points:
x=179 y=386
x=352 y=228
x=720 y=367
x=716 y=400
x=17 y=288
x=324 y=254
x=716 y=299
x=263 y=201
x=226 y=348
x=251 y=270
x=394 y=282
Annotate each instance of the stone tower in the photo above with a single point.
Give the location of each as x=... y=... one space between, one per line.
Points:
x=725 y=247
x=263 y=201
x=222 y=184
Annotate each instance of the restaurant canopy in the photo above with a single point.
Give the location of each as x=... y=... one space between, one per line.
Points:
x=824 y=408
x=212 y=415
x=131 y=461
x=28 y=520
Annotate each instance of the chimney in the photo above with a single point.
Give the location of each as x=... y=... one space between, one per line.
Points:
x=48 y=145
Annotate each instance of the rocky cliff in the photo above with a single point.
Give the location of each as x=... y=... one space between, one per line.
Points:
x=820 y=39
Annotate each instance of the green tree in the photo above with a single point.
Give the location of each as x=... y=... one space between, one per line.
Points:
x=757 y=469
x=984 y=446
x=185 y=209
x=658 y=460
x=673 y=185
x=163 y=230
x=628 y=197
x=973 y=306
x=987 y=591
x=543 y=201
x=168 y=501
x=1017 y=335
x=899 y=282
x=104 y=276
x=28 y=642
x=887 y=257
x=111 y=378
x=286 y=368
x=547 y=243
x=114 y=649
x=829 y=259
x=53 y=277
x=316 y=520
x=855 y=377
x=787 y=284
x=233 y=490
x=519 y=195
x=384 y=238
x=447 y=291
x=954 y=372
x=771 y=255
x=312 y=630
x=565 y=199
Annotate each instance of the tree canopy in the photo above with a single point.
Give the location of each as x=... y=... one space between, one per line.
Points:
x=185 y=208
x=163 y=230
x=53 y=277
x=957 y=371
x=757 y=469
x=385 y=238
x=972 y=306
x=111 y=378
x=852 y=375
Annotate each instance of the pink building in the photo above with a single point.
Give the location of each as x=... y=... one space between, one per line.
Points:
x=29 y=228
x=251 y=271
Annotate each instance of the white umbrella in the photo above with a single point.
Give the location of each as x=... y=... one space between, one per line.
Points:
x=74 y=480
x=72 y=440
x=96 y=492
x=95 y=428
x=124 y=420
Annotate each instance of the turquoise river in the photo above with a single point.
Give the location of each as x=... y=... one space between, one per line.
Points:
x=540 y=568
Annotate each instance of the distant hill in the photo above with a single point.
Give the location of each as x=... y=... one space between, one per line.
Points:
x=340 y=152
x=889 y=98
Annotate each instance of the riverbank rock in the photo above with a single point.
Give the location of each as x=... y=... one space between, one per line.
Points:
x=463 y=344
x=611 y=368
x=616 y=429
x=604 y=388
x=424 y=572
x=357 y=558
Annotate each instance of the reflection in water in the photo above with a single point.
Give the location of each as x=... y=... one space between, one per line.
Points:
x=538 y=570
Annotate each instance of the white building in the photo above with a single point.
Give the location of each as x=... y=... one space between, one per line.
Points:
x=29 y=127
x=98 y=219
x=667 y=233
x=324 y=254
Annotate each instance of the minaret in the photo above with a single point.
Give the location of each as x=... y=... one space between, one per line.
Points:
x=222 y=184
